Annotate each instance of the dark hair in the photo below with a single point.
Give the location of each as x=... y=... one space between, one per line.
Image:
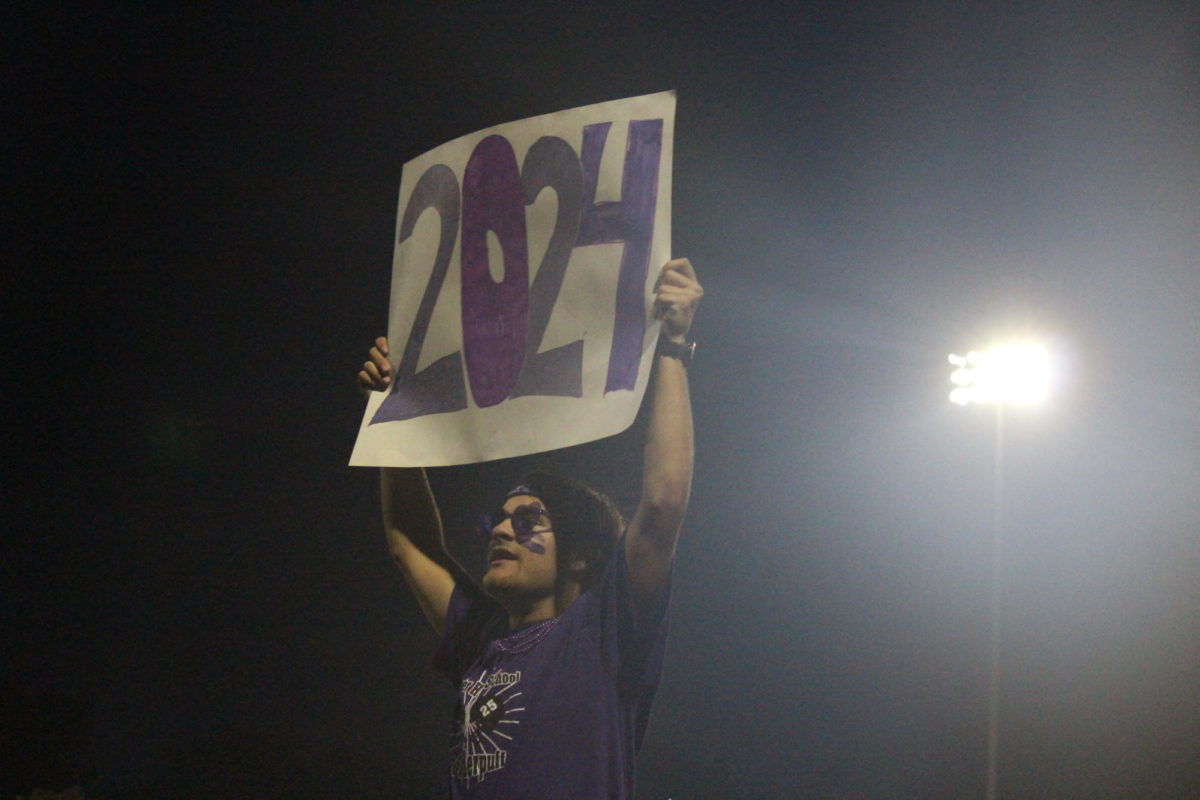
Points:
x=586 y=523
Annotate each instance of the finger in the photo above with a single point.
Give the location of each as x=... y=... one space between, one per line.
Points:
x=672 y=278
x=686 y=287
x=677 y=278
x=380 y=361
x=681 y=266
x=381 y=344
x=670 y=272
x=666 y=305
x=682 y=296
x=683 y=286
x=374 y=377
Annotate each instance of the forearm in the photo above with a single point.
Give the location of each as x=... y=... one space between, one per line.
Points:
x=667 y=471
x=414 y=532
x=653 y=532
x=410 y=514
x=669 y=451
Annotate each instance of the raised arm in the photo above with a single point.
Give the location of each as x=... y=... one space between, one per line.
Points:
x=410 y=515
x=667 y=472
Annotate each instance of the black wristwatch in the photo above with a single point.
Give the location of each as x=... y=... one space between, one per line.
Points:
x=681 y=350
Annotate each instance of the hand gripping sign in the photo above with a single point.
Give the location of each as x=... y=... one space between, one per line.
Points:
x=520 y=317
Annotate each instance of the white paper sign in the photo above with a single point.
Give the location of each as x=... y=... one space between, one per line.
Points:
x=520 y=317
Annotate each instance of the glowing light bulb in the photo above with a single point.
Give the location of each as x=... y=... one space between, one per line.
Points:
x=1009 y=373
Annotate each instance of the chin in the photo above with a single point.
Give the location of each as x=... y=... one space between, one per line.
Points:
x=494 y=585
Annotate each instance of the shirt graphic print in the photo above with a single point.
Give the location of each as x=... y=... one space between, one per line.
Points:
x=488 y=715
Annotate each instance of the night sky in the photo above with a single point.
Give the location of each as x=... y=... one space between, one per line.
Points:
x=198 y=235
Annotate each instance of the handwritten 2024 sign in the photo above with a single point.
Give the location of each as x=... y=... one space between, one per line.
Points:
x=525 y=260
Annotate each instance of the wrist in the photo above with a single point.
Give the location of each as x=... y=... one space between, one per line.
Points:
x=679 y=348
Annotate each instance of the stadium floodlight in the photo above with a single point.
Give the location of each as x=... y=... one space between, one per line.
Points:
x=1004 y=375
x=1010 y=374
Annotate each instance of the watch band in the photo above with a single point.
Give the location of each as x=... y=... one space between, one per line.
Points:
x=684 y=351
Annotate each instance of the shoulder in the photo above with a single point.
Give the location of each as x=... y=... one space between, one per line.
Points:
x=472 y=620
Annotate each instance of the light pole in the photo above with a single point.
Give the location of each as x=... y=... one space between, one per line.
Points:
x=1014 y=374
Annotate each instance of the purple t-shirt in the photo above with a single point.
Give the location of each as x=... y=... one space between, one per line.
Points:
x=555 y=710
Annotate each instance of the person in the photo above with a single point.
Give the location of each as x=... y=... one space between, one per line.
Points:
x=557 y=655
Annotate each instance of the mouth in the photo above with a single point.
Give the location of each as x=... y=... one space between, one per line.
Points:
x=498 y=554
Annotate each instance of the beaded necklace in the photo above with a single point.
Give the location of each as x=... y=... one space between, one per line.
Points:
x=526 y=639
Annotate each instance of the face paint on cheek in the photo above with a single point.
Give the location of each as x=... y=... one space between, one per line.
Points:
x=534 y=543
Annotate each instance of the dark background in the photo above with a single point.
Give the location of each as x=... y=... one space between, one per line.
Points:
x=198 y=234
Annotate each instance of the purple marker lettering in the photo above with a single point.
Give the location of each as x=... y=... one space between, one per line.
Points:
x=631 y=221
x=439 y=387
x=551 y=163
x=495 y=315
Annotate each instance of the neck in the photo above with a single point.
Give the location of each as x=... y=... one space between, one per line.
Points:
x=543 y=608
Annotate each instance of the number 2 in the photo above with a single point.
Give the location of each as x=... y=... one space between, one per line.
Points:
x=439 y=387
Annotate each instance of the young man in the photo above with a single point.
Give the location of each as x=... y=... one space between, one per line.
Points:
x=558 y=655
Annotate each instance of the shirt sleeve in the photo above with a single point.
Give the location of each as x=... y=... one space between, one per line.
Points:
x=642 y=642
x=634 y=644
x=470 y=618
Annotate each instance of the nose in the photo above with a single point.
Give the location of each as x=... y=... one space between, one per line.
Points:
x=504 y=531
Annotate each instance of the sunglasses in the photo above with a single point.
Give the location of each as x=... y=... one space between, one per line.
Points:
x=525 y=519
